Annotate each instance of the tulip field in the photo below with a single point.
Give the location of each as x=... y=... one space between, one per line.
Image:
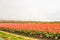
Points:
x=54 y=28
x=42 y=30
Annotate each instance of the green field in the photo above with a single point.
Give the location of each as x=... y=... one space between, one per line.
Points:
x=8 y=36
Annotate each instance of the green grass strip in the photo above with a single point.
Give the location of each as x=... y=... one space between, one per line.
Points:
x=8 y=36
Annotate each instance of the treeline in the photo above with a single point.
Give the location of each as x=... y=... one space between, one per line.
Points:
x=14 y=21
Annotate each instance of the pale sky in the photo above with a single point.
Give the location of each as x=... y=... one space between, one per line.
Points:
x=30 y=10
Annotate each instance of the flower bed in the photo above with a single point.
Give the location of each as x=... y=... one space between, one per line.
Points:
x=40 y=30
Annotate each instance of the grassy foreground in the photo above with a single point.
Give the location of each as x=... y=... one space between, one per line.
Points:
x=8 y=36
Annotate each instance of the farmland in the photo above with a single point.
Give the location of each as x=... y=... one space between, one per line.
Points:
x=10 y=36
x=55 y=28
x=41 y=30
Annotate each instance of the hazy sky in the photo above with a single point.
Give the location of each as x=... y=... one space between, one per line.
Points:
x=30 y=10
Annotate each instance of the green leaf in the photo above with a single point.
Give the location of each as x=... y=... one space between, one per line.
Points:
x=58 y=35
x=37 y=32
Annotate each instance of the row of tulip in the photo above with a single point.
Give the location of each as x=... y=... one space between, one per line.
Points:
x=39 y=34
x=39 y=30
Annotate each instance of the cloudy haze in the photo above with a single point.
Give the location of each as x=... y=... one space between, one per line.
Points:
x=30 y=10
